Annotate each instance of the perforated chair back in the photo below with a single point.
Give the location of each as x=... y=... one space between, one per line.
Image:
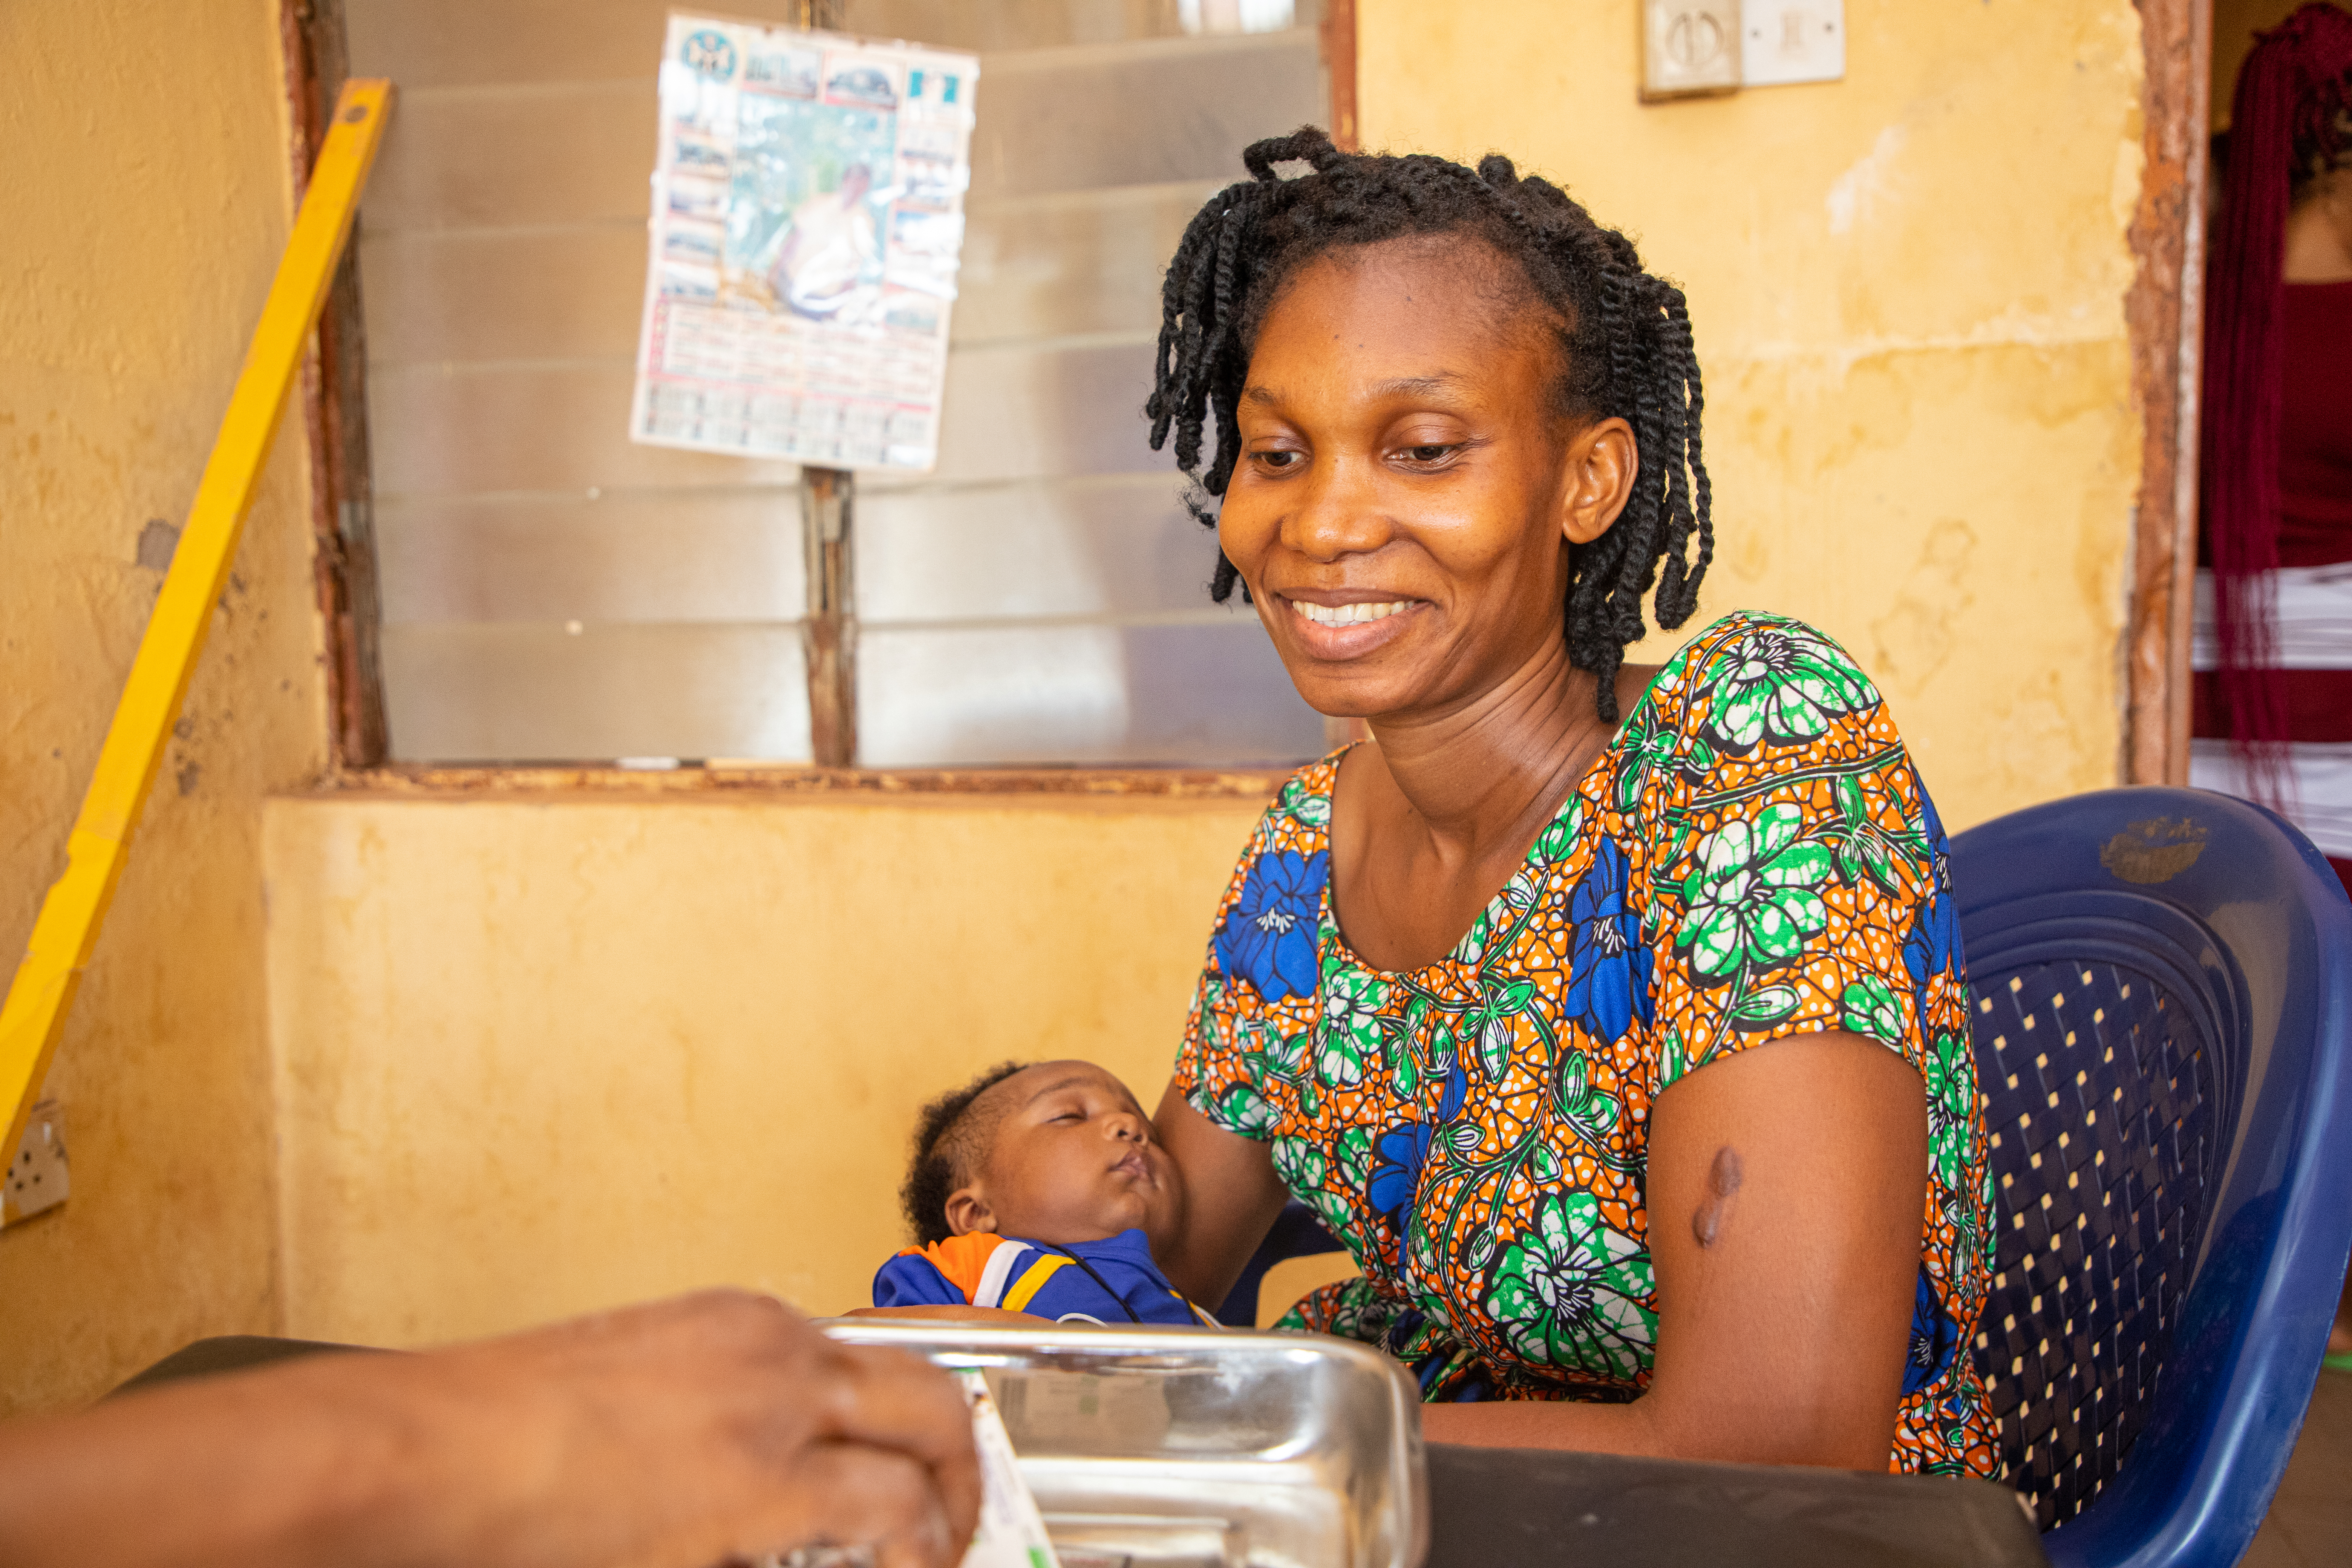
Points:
x=2163 y=985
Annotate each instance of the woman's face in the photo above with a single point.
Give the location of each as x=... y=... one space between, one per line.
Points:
x=1407 y=488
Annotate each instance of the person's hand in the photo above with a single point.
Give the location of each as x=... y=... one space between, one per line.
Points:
x=716 y=1428
x=718 y=1425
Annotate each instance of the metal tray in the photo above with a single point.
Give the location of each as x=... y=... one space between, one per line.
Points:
x=1173 y=1447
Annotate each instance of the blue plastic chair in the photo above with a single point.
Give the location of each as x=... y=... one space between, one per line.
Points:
x=2163 y=984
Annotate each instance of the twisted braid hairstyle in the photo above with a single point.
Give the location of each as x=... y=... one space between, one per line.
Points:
x=1624 y=338
x=950 y=1140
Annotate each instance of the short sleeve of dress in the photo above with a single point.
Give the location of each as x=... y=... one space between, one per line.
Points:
x=1255 y=1006
x=1796 y=877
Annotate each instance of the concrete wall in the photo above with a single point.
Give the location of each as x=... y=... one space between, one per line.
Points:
x=1907 y=292
x=142 y=149
x=538 y=1058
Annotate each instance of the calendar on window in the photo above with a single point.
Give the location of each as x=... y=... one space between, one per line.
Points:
x=807 y=226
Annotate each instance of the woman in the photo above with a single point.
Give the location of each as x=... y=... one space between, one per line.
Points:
x=2273 y=709
x=1612 y=1016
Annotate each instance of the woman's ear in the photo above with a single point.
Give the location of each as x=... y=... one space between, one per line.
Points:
x=1602 y=461
x=968 y=1212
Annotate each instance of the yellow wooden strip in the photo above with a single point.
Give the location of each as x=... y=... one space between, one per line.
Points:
x=66 y=929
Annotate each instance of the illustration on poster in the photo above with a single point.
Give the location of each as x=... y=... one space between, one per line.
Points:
x=807 y=231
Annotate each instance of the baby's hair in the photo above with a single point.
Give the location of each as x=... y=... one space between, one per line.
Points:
x=947 y=1139
x=1625 y=339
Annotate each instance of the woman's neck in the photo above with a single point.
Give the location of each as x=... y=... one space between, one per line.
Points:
x=1484 y=775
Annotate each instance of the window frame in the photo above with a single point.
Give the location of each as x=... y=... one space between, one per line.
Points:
x=334 y=417
x=2163 y=310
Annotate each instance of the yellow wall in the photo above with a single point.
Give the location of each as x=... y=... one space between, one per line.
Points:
x=1907 y=290
x=537 y=1058
x=143 y=152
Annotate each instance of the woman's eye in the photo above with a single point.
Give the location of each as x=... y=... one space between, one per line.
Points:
x=1279 y=458
x=1430 y=454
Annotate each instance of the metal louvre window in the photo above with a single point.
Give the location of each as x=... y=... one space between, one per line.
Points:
x=553 y=592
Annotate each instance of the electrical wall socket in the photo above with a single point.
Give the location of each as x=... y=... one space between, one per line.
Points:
x=37 y=1178
x=1690 y=48
x=1786 y=41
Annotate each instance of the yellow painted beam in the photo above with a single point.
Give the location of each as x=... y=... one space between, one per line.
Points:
x=66 y=929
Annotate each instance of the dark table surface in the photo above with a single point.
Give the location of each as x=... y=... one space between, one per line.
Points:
x=1529 y=1509
x=1496 y=1508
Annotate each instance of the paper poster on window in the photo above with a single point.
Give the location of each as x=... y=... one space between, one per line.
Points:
x=807 y=222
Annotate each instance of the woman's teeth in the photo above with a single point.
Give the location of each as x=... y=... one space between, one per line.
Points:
x=1348 y=615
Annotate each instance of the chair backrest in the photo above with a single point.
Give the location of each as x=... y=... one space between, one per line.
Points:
x=2163 y=982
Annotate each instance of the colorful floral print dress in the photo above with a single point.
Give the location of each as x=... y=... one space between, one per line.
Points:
x=1752 y=856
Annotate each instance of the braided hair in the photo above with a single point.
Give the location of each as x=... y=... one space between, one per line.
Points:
x=1624 y=335
x=949 y=1139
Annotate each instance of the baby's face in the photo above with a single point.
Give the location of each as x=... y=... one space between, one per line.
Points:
x=1073 y=1159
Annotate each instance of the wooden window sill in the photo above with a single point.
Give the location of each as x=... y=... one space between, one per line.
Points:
x=754 y=781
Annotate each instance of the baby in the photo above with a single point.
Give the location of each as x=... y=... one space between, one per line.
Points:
x=1036 y=1189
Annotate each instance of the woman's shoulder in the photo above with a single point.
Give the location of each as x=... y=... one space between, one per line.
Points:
x=1298 y=819
x=1755 y=681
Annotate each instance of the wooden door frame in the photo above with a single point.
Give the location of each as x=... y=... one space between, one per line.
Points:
x=2166 y=317
x=334 y=416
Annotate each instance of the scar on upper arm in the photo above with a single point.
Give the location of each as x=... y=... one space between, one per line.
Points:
x=1722 y=1182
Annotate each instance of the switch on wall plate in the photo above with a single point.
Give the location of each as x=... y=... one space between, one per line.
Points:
x=36 y=1178
x=1690 y=48
x=1785 y=41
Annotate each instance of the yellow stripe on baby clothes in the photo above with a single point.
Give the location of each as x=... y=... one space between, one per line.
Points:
x=1017 y=1298
x=999 y=1272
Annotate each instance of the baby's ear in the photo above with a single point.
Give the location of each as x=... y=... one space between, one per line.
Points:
x=968 y=1212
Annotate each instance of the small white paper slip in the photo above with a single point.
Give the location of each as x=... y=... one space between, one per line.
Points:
x=1011 y=1533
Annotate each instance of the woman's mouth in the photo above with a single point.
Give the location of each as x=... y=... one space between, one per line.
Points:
x=1349 y=630
x=1348 y=615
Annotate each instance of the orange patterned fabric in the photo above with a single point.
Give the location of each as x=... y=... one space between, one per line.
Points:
x=1752 y=856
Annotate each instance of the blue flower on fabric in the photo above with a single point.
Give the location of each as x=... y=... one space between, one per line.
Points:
x=1608 y=965
x=1935 y=1338
x=1396 y=1173
x=1267 y=938
x=1930 y=823
x=1404 y=1148
x=1934 y=943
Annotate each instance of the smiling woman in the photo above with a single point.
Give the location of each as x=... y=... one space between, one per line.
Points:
x=1613 y=1017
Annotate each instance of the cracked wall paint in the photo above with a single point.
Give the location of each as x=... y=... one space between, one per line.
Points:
x=1907 y=290
x=143 y=146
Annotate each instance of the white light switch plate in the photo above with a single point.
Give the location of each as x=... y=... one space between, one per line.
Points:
x=1690 y=46
x=37 y=1177
x=1785 y=41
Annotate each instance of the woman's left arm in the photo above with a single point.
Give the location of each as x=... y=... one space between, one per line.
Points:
x=1786 y=1188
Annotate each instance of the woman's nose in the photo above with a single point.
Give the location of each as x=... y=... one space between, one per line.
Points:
x=1338 y=514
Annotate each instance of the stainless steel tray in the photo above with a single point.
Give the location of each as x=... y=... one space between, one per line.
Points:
x=1171 y=1447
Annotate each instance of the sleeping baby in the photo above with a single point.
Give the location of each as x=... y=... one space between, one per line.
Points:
x=1036 y=1189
